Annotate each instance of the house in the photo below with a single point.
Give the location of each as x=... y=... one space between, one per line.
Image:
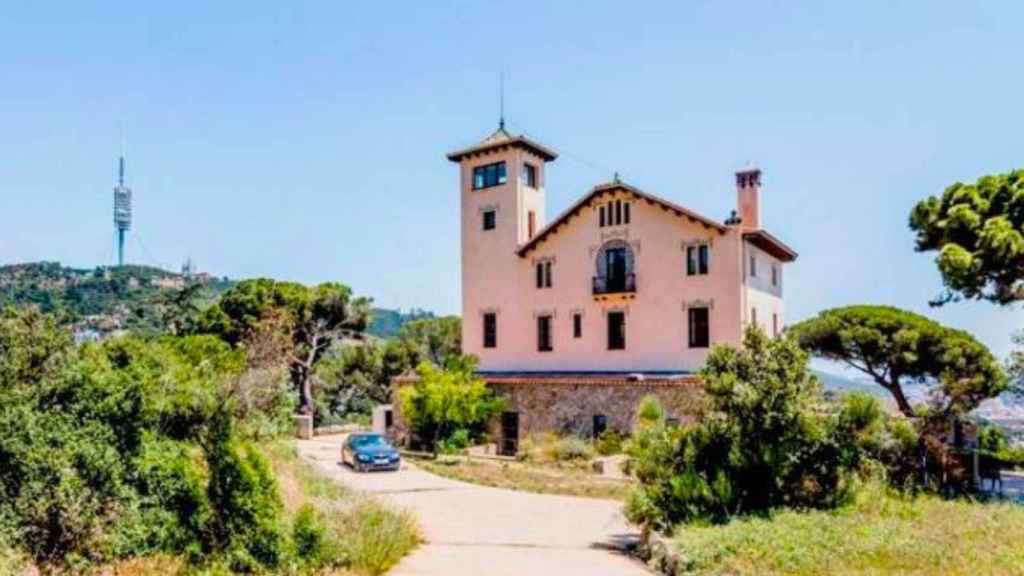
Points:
x=576 y=318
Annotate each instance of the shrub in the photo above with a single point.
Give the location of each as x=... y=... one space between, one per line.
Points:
x=763 y=442
x=308 y=535
x=457 y=442
x=609 y=442
x=378 y=537
x=571 y=449
x=444 y=401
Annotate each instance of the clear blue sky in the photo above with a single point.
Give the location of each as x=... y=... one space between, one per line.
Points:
x=307 y=141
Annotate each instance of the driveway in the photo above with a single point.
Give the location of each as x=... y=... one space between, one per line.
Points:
x=472 y=530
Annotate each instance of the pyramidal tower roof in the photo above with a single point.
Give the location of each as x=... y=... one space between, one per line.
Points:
x=501 y=139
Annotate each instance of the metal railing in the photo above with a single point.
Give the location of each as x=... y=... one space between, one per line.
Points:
x=614 y=284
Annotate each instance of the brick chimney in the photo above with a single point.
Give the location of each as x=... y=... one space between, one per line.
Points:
x=748 y=197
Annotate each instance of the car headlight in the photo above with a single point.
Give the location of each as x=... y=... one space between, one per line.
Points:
x=363 y=457
x=394 y=457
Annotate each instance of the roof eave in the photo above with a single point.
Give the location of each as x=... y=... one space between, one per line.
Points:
x=543 y=152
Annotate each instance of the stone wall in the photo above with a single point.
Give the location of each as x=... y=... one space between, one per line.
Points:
x=569 y=408
x=567 y=405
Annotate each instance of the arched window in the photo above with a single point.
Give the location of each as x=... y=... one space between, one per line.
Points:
x=615 y=268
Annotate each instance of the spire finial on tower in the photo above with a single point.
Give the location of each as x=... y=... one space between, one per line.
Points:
x=501 y=99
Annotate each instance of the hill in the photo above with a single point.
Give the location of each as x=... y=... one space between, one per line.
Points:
x=109 y=299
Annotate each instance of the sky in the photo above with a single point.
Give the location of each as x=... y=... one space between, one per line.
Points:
x=306 y=141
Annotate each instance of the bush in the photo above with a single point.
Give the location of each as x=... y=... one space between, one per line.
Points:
x=609 y=442
x=572 y=449
x=762 y=443
x=445 y=401
x=457 y=442
x=127 y=448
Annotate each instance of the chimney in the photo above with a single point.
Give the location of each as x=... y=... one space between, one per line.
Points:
x=748 y=197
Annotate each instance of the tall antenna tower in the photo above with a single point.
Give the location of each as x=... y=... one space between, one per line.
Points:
x=122 y=210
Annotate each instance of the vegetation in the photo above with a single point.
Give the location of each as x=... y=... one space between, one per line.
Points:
x=351 y=379
x=334 y=526
x=128 y=452
x=978 y=231
x=565 y=478
x=127 y=297
x=765 y=441
x=893 y=346
x=387 y=323
x=448 y=402
x=881 y=532
x=312 y=317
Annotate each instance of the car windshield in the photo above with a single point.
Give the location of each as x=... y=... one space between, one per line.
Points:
x=368 y=441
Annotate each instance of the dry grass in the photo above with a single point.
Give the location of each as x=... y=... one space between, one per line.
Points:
x=880 y=533
x=369 y=535
x=566 y=479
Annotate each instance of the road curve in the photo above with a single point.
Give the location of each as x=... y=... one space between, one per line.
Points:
x=473 y=530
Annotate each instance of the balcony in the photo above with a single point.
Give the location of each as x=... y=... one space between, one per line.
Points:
x=605 y=285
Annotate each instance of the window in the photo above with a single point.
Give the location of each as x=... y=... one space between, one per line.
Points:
x=600 y=424
x=700 y=331
x=775 y=324
x=753 y=316
x=490 y=330
x=697 y=259
x=775 y=274
x=529 y=175
x=531 y=224
x=544 y=274
x=601 y=210
x=616 y=331
x=625 y=212
x=544 y=334
x=489 y=219
x=489 y=175
x=577 y=325
x=618 y=212
x=753 y=266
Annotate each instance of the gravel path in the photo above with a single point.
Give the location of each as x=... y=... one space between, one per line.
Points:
x=473 y=530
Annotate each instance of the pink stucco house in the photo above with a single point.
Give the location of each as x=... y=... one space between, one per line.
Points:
x=576 y=317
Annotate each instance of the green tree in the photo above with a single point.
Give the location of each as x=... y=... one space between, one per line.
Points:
x=763 y=441
x=315 y=317
x=446 y=400
x=437 y=338
x=894 y=346
x=978 y=231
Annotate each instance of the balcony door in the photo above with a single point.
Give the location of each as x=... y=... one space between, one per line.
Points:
x=615 y=266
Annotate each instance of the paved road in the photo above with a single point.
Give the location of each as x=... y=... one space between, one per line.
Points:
x=472 y=530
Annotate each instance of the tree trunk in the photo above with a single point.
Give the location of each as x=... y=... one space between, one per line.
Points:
x=894 y=388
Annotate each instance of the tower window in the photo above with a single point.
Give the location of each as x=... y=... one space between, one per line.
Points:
x=625 y=212
x=775 y=274
x=618 y=212
x=616 y=331
x=699 y=328
x=577 y=325
x=753 y=316
x=602 y=222
x=697 y=258
x=490 y=330
x=775 y=324
x=753 y=266
x=529 y=175
x=547 y=274
x=540 y=274
x=544 y=334
x=531 y=224
x=489 y=175
x=489 y=219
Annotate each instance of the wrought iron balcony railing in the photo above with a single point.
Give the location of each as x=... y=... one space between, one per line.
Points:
x=614 y=284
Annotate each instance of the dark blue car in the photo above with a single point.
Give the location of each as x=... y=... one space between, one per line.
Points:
x=365 y=451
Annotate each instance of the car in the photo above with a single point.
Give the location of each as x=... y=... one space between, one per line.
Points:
x=366 y=451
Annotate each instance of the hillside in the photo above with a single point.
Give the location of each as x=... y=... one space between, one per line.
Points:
x=108 y=299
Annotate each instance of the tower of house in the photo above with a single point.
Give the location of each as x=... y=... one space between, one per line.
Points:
x=502 y=206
